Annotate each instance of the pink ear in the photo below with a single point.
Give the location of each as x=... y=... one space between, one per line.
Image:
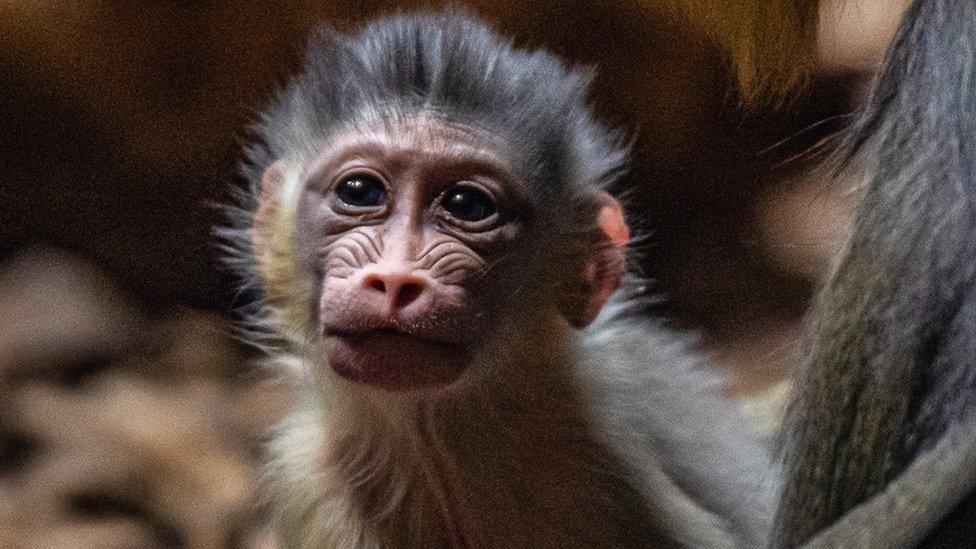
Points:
x=606 y=265
x=611 y=220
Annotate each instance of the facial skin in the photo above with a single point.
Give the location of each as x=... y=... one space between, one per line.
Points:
x=410 y=233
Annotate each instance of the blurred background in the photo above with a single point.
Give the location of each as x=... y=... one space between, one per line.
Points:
x=129 y=414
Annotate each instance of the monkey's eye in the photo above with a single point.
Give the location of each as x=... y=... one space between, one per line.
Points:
x=363 y=191
x=468 y=203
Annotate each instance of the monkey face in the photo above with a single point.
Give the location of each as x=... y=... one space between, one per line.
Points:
x=411 y=232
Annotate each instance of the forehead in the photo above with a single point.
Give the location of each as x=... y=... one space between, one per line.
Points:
x=417 y=138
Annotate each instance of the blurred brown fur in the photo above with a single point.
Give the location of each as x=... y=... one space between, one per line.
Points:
x=770 y=45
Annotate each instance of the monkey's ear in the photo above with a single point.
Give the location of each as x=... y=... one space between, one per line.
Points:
x=605 y=265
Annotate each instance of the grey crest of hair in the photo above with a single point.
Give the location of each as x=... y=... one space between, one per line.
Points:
x=667 y=459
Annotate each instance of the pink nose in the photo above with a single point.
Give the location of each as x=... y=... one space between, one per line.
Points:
x=400 y=289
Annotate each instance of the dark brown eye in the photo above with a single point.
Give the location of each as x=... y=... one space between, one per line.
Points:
x=362 y=191
x=468 y=203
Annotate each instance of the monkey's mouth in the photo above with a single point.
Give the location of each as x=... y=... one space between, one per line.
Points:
x=393 y=359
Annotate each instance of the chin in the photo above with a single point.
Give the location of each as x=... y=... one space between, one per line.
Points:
x=395 y=361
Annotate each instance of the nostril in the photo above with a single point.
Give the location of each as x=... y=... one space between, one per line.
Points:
x=409 y=291
x=375 y=282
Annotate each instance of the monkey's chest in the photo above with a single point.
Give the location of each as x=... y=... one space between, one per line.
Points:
x=495 y=503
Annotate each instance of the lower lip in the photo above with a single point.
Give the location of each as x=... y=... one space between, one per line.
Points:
x=394 y=360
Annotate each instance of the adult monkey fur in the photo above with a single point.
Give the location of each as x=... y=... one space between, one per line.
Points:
x=880 y=439
x=435 y=249
x=880 y=442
